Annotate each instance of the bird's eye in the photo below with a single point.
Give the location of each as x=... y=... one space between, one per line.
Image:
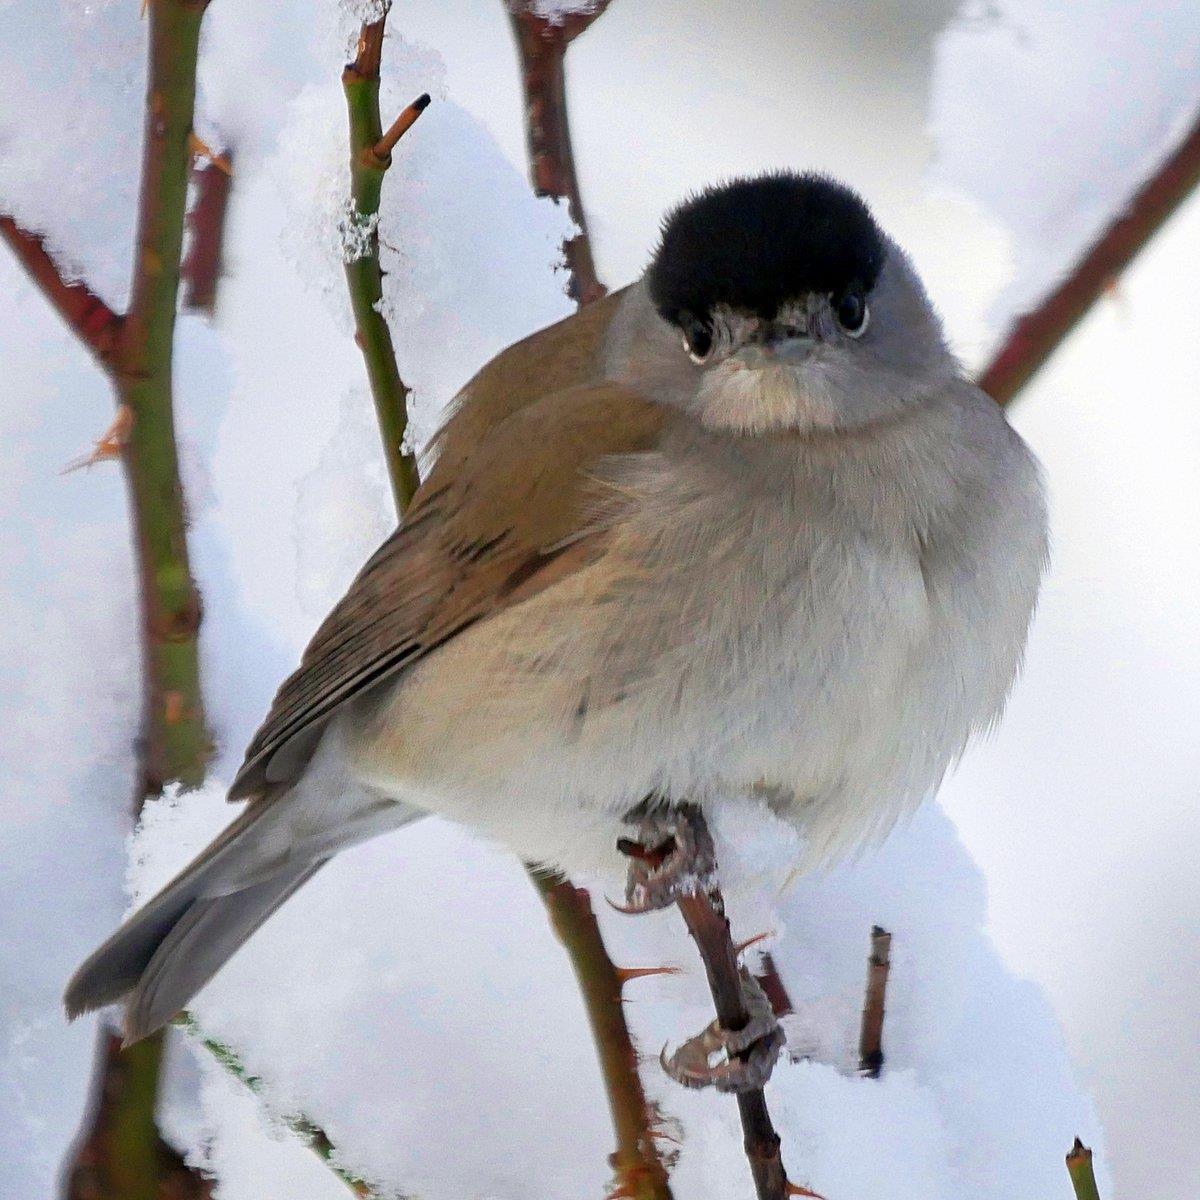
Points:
x=853 y=314
x=697 y=339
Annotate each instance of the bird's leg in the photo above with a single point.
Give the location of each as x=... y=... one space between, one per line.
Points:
x=672 y=860
x=670 y=856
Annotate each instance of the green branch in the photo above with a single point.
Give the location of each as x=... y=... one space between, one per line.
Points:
x=370 y=157
x=120 y=1154
x=176 y=744
x=1079 y=1167
x=312 y=1135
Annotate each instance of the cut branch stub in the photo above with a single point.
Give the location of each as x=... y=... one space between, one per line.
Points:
x=1079 y=1167
x=206 y=222
x=870 y=1040
x=382 y=150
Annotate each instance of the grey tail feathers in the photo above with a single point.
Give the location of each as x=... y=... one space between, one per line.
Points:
x=170 y=948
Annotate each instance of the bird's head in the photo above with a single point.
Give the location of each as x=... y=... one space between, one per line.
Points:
x=777 y=303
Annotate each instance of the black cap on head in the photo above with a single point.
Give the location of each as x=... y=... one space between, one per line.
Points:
x=758 y=243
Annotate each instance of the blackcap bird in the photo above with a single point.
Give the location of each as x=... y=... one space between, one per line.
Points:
x=740 y=534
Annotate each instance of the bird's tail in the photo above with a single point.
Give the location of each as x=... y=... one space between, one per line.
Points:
x=172 y=946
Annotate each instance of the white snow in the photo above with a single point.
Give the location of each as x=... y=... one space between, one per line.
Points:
x=405 y=997
x=71 y=130
x=1096 y=92
x=469 y=996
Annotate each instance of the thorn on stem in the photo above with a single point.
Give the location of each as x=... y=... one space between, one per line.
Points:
x=794 y=1189
x=739 y=947
x=626 y=974
x=110 y=444
x=199 y=148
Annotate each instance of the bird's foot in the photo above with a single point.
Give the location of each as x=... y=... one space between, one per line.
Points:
x=731 y=1060
x=671 y=855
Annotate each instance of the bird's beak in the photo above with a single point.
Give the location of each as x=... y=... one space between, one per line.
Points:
x=776 y=345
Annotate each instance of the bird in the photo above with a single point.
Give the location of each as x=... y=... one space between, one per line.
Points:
x=743 y=533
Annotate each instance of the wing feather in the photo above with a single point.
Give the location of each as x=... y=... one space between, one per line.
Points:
x=488 y=529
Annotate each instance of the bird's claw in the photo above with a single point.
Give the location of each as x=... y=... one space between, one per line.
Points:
x=671 y=855
x=749 y=1052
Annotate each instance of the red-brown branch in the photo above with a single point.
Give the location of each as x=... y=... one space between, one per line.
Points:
x=89 y=318
x=870 y=1039
x=704 y=914
x=1037 y=334
x=201 y=269
x=542 y=46
x=773 y=987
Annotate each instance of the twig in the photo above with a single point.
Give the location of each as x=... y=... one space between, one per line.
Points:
x=542 y=46
x=1079 y=1167
x=311 y=1134
x=870 y=1038
x=704 y=914
x=360 y=82
x=90 y=319
x=640 y=1173
x=206 y=223
x=176 y=743
x=1036 y=335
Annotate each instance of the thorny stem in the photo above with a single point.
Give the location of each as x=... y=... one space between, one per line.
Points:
x=364 y=276
x=542 y=46
x=704 y=914
x=176 y=743
x=120 y=1155
x=639 y=1170
x=1035 y=336
x=1079 y=1167
x=870 y=1038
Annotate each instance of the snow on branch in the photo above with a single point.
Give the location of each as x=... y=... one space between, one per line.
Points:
x=370 y=156
x=1036 y=335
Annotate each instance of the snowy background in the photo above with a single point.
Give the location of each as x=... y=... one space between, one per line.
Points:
x=1046 y=914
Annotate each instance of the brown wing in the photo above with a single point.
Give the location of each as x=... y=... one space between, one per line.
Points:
x=486 y=530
